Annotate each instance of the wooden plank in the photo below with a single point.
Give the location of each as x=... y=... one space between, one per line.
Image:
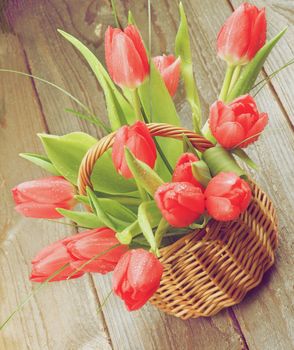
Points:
x=59 y=316
x=266 y=315
x=280 y=15
x=147 y=329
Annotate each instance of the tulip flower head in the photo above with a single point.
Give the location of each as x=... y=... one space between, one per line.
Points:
x=138 y=140
x=237 y=124
x=180 y=203
x=227 y=196
x=183 y=170
x=40 y=198
x=51 y=259
x=77 y=251
x=242 y=35
x=126 y=57
x=169 y=68
x=137 y=277
x=88 y=244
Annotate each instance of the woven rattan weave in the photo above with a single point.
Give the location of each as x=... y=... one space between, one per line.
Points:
x=216 y=266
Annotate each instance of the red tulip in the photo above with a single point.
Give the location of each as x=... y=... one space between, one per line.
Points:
x=242 y=35
x=137 y=277
x=169 y=68
x=180 y=203
x=238 y=123
x=85 y=245
x=138 y=140
x=51 y=259
x=227 y=196
x=183 y=170
x=126 y=57
x=40 y=198
x=76 y=251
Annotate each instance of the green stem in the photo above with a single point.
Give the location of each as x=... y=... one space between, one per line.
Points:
x=219 y=159
x=227 y=82
x=160 y=231
x=136 y=104
x=163 y=157
x=159 y=149
x=235 y=77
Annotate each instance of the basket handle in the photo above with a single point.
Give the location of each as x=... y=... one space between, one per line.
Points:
x=156 y=129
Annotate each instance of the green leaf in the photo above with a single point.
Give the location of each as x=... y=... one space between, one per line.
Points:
x=81 y=218
x=183 y=49
x=66 y=152
x=239 y=152
x=133 y=230
x=252 y=69
x=41 y=161
x=106 y=179
x=159 y=108
x=201 y=172
x=119 y=110
x=218 y=159
x=131 y=19
x=143 y=174
x=82 y=199
x=110 y=212
x=146 y=227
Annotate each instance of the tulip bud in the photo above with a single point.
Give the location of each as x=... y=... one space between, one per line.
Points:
x=169 y=68
x=85 y=245
x=137 y=277
x=242 y=35
x=40 y=198
x=51 y=259
x=180 y=203
x=126 y=57
x=227 y=196
x=237 y=124
x=138 y=140
x=183 y=170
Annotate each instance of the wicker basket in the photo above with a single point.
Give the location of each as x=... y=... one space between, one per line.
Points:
x=216 y=266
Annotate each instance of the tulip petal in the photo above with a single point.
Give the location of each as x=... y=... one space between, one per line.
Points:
x=49 y=190
x=108 y=47
x=233 y=39
x=127 y=67
x=39 y=210
x=219 y=113
x=229 y=134
x=258 y=34
x=221 y=184
x=256 y=129
x=221 y=209
x=132 y=32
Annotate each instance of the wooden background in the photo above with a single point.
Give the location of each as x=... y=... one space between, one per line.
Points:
x=64 y=315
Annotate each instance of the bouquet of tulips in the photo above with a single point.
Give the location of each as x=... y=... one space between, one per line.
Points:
x=145 y=191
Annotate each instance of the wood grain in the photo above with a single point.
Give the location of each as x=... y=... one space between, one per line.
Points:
x=52 y=317
x=265 y=319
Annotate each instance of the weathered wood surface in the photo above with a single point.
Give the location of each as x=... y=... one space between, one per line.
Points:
x=64 y=315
